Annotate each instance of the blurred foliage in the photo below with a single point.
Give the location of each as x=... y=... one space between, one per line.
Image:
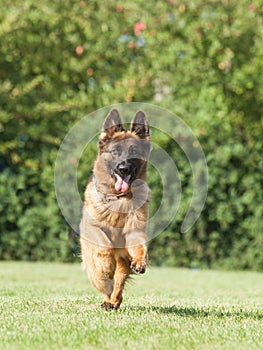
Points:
x=202 y=60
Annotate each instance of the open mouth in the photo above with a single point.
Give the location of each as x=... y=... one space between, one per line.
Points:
x=122 y=183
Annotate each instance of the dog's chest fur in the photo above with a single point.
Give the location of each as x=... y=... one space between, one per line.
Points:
x=124 y=213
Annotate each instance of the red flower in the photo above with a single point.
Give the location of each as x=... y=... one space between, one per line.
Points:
x=252 y=7
x=79 y=50
x=132 y=45
x=119 y=8
x=138 y=28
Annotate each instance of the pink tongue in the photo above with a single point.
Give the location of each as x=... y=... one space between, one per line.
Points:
x=121 y=185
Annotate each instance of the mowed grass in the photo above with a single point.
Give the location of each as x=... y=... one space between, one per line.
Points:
x=53 y=306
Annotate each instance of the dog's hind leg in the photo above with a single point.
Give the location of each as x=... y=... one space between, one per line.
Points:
x=122 y=273
x=100 y=265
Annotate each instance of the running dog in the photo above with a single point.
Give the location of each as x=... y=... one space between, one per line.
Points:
x=113 y=228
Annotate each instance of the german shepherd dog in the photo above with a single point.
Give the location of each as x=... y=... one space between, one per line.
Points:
x=113 y=229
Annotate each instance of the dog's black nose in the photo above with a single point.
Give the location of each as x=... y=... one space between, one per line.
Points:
x=124 y=168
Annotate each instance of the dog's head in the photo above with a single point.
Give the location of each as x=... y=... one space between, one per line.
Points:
x=125 y=152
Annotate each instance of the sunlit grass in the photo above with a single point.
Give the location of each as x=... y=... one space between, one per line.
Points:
x=53 y=306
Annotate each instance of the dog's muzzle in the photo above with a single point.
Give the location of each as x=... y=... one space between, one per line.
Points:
x=123 y=175
x=124 y=169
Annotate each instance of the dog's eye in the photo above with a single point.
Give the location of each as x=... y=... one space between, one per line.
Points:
x=116 y=152
x=133 y=151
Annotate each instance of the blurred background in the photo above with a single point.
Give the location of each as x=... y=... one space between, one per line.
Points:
x=202 y=60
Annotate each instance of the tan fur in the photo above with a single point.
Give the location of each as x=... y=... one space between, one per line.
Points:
x=113 y=230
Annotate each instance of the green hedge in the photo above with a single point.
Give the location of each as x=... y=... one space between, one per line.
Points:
x=200 y=59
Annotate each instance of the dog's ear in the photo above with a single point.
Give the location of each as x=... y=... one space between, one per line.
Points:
x=112 y=123
x=140 y=125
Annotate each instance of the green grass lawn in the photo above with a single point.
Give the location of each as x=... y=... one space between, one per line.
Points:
x=53 y=306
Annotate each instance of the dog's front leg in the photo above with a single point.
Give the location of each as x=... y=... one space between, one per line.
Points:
x=137 y=250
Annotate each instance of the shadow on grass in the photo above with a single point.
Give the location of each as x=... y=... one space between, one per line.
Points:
x=200 y=312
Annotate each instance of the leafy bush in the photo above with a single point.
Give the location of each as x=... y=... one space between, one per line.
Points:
x=199 y=59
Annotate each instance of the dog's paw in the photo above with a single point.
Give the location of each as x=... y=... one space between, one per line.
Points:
x=110 y=306
x=138 y=266
x=107 y=306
